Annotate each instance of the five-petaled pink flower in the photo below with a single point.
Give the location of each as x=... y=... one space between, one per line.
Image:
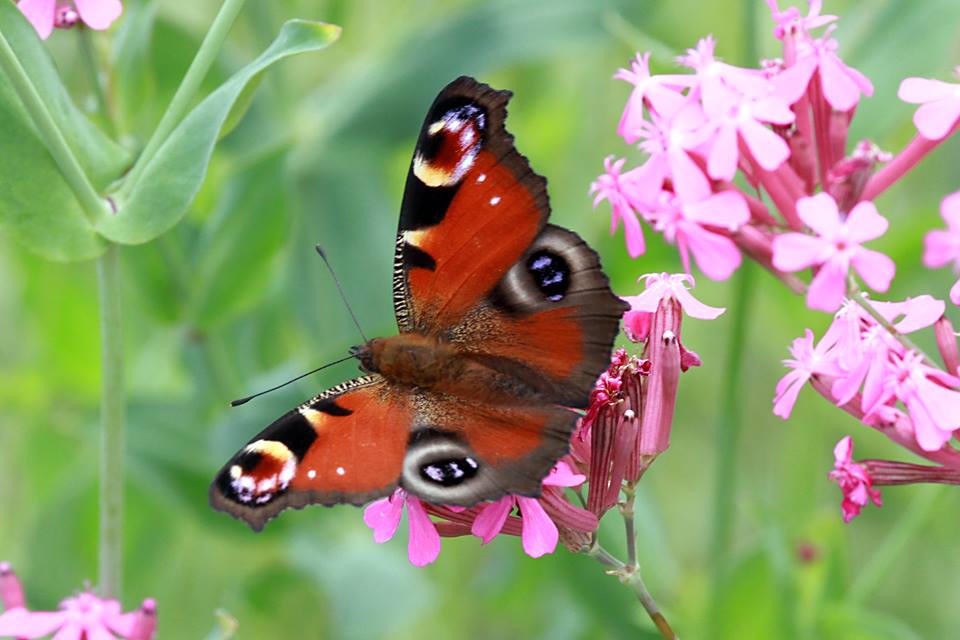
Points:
x=853 y=479
x=624 y=196
x=383 y=516
x=539 y=534
x=834 y=249
x=83 y=616
x=807 y=361
x=677 y=285
x=942 y=246
x=96 y=14
x=940 y=105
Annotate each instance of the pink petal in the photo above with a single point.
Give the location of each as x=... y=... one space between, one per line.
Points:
x=773 y=110
x=796 y=251
x=424 y=544
x=791 y=83
x=72 y=631
x=955 y=293
x=40 y=15
x=839 y=82
x=633 y=234
x=940 y=248
x=539 y=534
x=563 y=476
x=693 y=307
x=828 y=287
x=722 y=161
x=788 y=388
x=636 y=324
x=689 y=183
x=768 y=148
x=875 y=268
x=820 y=213
x=98 y=632
x=950 y=210
x=489 y=522
x=726 y=209
x=918 y=313
x=383 y=516
x=98 y=14
x=21 y=623
x=920 y=90
x=935 y=120
x=865 y=223
x=843 y=452
x=716 y=255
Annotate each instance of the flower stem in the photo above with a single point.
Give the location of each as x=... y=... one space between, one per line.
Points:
x=726 y=437
x=92 y=204
x=627 y=511
x=91 y=63
x=188 y=88
x=630 y=576
x=112 y=418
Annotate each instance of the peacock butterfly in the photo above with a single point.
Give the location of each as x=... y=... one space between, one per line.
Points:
x=505 y=323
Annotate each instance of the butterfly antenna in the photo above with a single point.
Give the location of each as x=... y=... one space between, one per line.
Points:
x=237 y=403
x=343 y=296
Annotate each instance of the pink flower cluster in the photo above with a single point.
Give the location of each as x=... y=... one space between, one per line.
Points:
x=82 y=616
x=782 y=129
x=626 y=426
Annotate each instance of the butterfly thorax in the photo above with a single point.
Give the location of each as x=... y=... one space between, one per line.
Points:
x=412 y=359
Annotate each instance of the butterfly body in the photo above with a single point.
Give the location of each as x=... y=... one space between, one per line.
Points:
x=505 y=323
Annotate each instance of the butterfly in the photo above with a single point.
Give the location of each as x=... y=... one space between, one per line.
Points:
x=505 y=322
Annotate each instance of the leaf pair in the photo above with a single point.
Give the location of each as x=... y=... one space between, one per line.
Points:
x=36 y=203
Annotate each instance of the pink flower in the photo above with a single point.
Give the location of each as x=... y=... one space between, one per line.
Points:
x=929 y=395
x=943 y=246
x=835 y=248
x=85 y=615
x=383 y=516
x=539 y=534
x=623 y=195
x=96 y=14
x=790 y=21
x=689 y=223
x=677 y=285
x=652 y=89
x=807 y=361
x=854 y=481
x=940 y=108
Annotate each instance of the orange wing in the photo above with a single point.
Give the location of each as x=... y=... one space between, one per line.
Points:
x=478 y=265
x=345 y=445
x=470 y=209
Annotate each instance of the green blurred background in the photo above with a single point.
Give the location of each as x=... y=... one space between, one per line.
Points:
x=234 y=299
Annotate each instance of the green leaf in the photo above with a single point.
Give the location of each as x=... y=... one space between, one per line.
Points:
x=101 y=158
x=172 y=178
x=36 y=205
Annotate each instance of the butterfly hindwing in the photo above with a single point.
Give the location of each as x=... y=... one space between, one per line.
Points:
x=464 y=452
x=346 y=445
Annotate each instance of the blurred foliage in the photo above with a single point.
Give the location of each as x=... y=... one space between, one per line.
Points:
x=234 y=299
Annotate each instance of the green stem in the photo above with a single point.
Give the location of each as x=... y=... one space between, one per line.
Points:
x=884 y=558
x=92 y=204
x=630 y=576
x=112 y=418
x=727 y=435
x=91 y=63
x=188 y=88
x=627 y=511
